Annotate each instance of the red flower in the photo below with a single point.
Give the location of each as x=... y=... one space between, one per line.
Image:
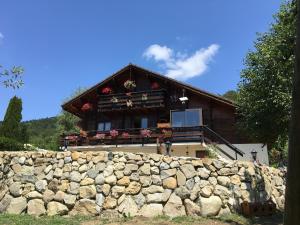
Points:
x=113 y=133
x=106 y=90
x=86 y=107
x=154 y=86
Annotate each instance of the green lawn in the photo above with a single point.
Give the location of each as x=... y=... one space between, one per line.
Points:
x=6 y=219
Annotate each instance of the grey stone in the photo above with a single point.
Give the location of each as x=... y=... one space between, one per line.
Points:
x=210 y=206
x=40 y=185
x=36 y=207
x=151 y=210
x=174 y=207
x=15 y=189
x=17 y=205
x=188 y=170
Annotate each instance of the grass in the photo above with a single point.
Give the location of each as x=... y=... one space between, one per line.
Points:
x=238 y=219
x=8 y=219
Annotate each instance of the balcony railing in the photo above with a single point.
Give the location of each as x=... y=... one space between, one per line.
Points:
x=134 y=136
x=157 y=135
x=142 y=99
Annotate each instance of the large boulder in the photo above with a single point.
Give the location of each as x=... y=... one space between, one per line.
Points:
x=151 y=210
x=56 y=208
x=85 y=207
x=174 y=207
x=209 y=206
x=128 y=207
x=36 y=207
x=17 y=205
x=192 y=209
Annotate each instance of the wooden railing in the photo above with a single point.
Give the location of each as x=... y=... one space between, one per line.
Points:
x=142 y=99
x=135 y=136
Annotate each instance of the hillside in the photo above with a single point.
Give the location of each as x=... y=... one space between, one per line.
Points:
x=42 y=132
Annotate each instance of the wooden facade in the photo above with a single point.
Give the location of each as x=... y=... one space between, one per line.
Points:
x=154 y=100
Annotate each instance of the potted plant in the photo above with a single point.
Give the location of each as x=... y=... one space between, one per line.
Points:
x=129 y=84
x=106 y=90
x=86 y=107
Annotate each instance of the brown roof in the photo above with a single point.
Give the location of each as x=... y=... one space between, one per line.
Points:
x=68 y=105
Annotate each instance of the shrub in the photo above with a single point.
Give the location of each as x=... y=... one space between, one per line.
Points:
x=8 y=144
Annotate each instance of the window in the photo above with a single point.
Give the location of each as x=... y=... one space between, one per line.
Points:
x=104 y=126
x=186 y=118
x=144 y=122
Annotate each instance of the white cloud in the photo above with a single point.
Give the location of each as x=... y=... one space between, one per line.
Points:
x=1 y=37
x=158 y=52
x=181 y=66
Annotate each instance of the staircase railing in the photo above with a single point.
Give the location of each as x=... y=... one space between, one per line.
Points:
x=223 y=140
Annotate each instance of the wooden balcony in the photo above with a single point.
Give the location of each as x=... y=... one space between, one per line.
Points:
x=142 y=99
x=188 y=134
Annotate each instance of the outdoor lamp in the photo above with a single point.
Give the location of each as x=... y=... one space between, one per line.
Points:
x=168 y=146
x=254 y=155
x=110 y=155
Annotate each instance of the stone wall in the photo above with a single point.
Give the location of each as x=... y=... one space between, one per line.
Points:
x=90 y=183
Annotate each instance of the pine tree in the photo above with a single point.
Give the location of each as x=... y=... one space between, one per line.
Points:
x=11 y=126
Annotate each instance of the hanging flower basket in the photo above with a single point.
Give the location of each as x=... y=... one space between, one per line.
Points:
x=114 y=100
x=106 y=90
x=154 y=86
x=87 y=107
x=125 y=135
x=113 y=133
x=129 y=84
x=144 y=97
x=100 y=136
x=146 y=133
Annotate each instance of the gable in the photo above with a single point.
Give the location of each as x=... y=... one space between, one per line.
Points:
x=143 y=79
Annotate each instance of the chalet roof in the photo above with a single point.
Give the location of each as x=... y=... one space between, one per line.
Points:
x=68 y=105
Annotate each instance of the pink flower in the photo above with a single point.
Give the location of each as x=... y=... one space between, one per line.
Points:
x=146 y=133
x=100 y=136
x=113 y=133
x=106 y=90
x=86 y=107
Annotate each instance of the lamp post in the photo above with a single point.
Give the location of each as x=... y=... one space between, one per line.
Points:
x=110 y=155
x=168 y=146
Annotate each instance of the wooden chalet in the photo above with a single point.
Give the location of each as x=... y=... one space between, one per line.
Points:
x=138 y=106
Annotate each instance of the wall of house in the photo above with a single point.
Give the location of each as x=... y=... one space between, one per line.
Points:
x=92 y=183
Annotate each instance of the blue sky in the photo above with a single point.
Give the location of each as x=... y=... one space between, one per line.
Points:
x=66 y=44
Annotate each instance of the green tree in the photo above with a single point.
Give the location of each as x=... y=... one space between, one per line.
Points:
x=11 y=126
x=231 y=95
x=11 y=78
x=67 y=122
x=292 y=193
x=264 y=100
